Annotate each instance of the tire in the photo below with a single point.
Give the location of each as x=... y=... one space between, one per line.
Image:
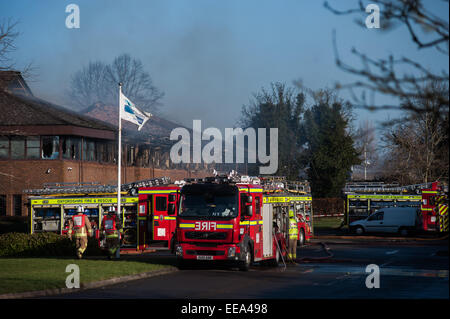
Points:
x=359 y=230
x=246 y=263
x=301 y=239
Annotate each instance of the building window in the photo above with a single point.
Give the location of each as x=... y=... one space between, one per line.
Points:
x=17 y=205
x=88 y=150
x=17 y=147
x=102 y=154
x=33 y=146
x=130 y=155
x=50 y=147
x=112 y=152
x=2 y=205
x=71 y=147
x=4 y=147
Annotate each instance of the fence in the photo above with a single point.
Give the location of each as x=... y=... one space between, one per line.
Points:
x=328 y=207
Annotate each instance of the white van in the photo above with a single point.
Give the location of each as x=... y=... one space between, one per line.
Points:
x=402 y=220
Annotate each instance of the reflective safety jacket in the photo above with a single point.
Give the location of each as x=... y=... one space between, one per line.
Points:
x=293 y=228
x=79 y=226
x=112 y=227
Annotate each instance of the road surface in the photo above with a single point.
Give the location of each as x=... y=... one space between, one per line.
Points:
x=408 y=270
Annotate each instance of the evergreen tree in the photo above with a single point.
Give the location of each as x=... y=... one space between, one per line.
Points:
x=330 y=151
x=281 y=108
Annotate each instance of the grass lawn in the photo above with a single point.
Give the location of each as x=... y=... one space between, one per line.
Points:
x=327 y=222
x=28 y=274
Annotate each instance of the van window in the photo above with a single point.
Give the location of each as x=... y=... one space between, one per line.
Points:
x=377 y=216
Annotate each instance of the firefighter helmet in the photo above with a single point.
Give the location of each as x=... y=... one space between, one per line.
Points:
x=291 y=213
x=80 y=209
x=111 y=210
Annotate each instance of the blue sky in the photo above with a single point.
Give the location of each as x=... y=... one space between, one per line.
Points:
x=209 y=57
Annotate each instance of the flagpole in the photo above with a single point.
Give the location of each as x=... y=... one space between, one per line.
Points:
x=119 y=165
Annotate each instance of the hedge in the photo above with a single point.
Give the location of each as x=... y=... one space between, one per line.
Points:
x=41 y=245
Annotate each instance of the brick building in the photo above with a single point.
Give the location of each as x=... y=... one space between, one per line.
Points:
x=45 y=143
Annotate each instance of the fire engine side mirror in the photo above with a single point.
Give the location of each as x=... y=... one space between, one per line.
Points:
x=171 y=209
x=250 y=199
x=249 y=211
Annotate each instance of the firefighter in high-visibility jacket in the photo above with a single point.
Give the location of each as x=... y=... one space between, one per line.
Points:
x=80 y=227
x=293 y=234
x=111 y=231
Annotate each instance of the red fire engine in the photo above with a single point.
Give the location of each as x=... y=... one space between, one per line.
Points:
x=434 y=208
x=157 y=215
x=224 y=220
x=148 y=213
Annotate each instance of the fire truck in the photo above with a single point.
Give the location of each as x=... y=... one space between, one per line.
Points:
x=148 y=209
x=363 y=198
x=434 y=208
x=224 y=219
x=157 y=215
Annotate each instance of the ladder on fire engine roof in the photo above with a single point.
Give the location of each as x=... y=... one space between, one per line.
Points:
x=381 y=187
x=271 y=184
x=95 y=187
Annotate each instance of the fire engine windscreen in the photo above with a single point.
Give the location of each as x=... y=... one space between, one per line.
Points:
x=209 y=201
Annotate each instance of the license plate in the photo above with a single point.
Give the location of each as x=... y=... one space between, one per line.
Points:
x=204 y=257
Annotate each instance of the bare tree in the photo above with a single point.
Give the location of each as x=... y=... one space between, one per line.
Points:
x=98 y=82
x=427 y=31
x=418 y=147
x=88 y=85
x=8 y=36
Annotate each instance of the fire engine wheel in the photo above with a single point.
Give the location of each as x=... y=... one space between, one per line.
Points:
x=246 y=263
x=301 y=238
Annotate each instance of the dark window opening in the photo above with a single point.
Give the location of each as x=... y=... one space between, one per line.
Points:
x=50 y=147
x=2 y=205
x=17 y=205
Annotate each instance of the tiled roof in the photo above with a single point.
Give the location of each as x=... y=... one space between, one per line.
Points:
x=25 y=110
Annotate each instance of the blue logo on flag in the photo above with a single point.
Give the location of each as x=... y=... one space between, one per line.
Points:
x=131 y=111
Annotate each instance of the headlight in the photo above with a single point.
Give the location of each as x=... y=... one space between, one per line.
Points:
x=179 y=251
x=231 y=252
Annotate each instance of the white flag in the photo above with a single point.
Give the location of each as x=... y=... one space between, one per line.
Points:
x=131 y=113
